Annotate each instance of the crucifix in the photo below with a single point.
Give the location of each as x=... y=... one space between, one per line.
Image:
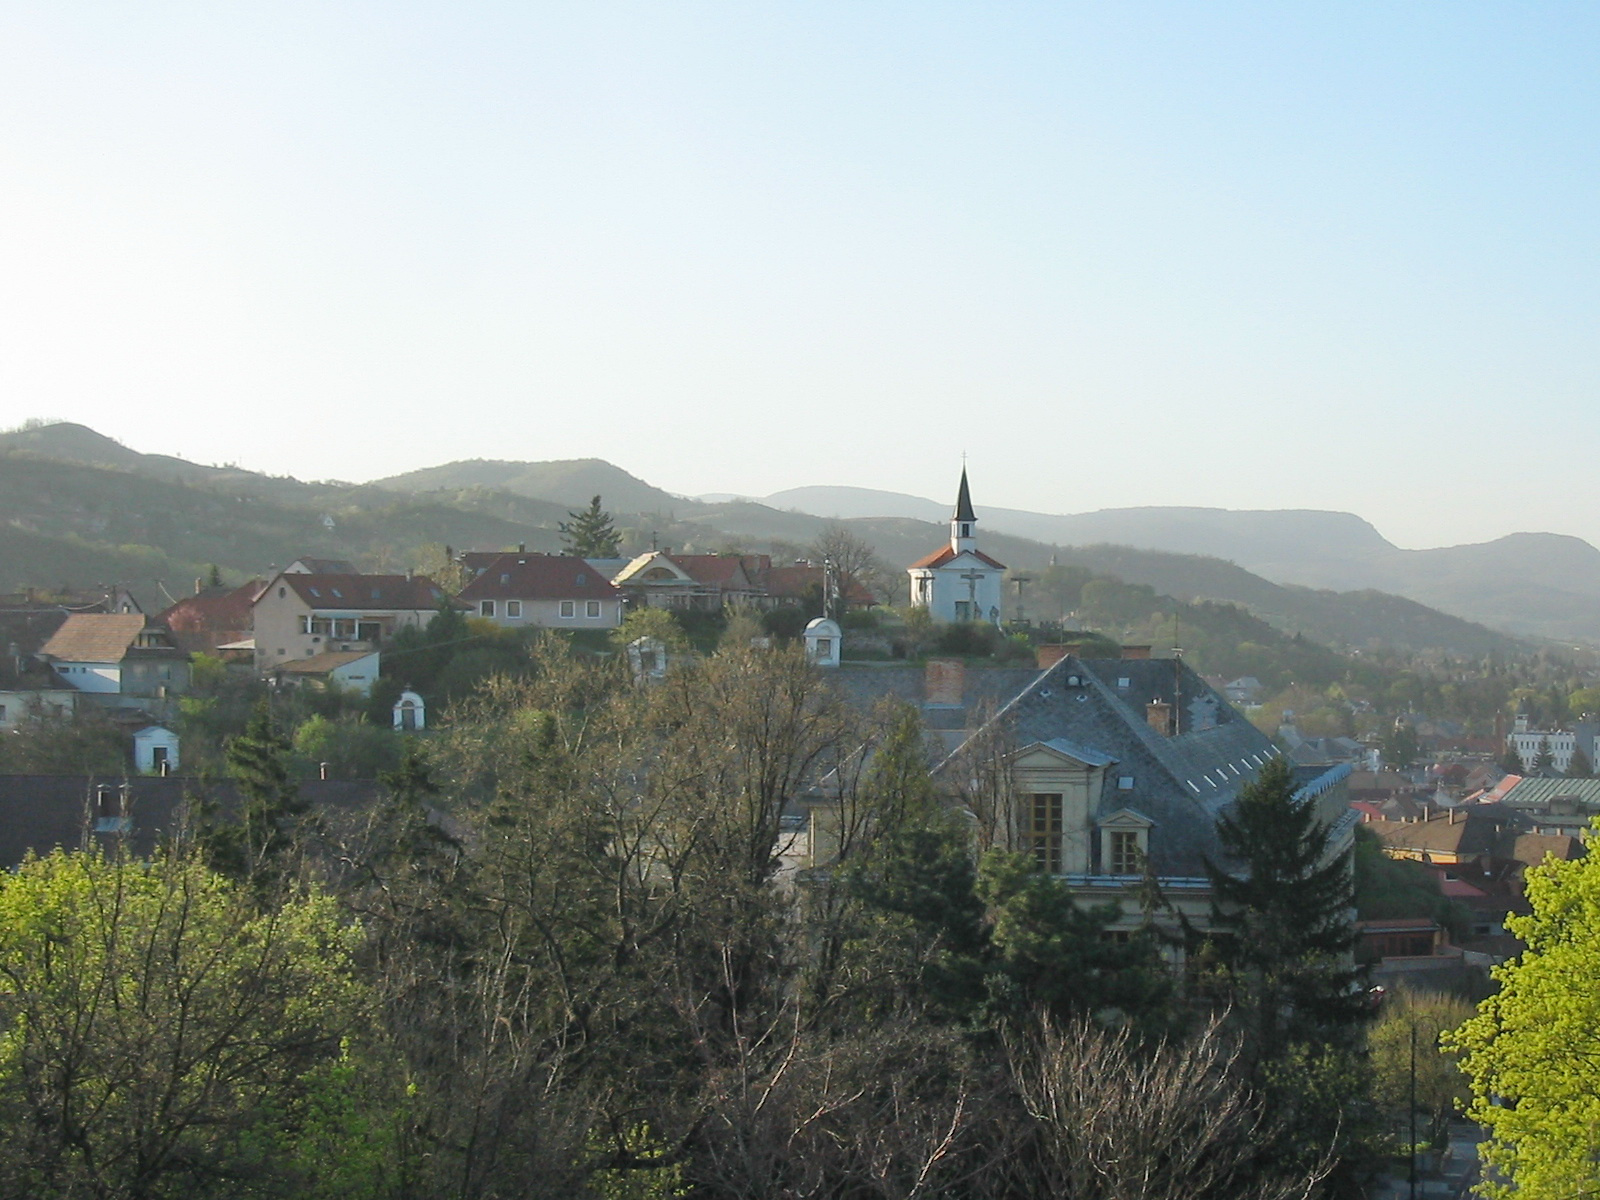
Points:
x=973 y=578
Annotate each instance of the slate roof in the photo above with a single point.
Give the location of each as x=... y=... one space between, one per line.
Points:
x=39 y=813
x=963 y=501
x=539 y=577
x=94 y=637
x=1180 y=782
x=365 y=592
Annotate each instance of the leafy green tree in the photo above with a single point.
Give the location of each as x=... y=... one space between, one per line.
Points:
x=589 y=533
x=1441 y=1088
x=160 y=1032
x=1529 y=1051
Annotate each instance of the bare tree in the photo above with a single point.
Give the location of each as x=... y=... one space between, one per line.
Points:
x=1121 y=1121
x=857 y=569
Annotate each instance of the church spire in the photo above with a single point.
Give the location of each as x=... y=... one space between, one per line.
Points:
x=964 y=501
x=961 y=536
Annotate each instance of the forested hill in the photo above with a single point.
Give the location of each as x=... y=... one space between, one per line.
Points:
x=79 y=509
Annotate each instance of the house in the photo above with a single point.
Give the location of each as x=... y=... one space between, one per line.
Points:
x=300 y=614
x=211 y=618
x=1561 y=743
x=1246 y=690
x=552 y=591
x=695 y=582
x=1104 y=770
x=353 y=671
x=155 y=750
x=108 y=655
x=959 y=582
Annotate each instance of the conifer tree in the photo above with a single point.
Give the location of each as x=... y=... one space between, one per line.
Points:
x=1511 y=762
x=1579 y=767
x=270 y=805
x=1544 y=762
x=589 y=533
x=1282 y=913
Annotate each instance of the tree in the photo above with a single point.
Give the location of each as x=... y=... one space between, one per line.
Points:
x=1283 y=918
x=589 y=533
x=1511 y=762
x=856 y=566
x=1544 y=762
x=254 y=847
x=162 y=1035
x=1399 y=747
x=1579 y=767
x=1441 y=1089
x=1529 y=1051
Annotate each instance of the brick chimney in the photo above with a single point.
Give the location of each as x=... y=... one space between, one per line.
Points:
x=1049 y=654
x=1159 y=714
x=944 y=681
x=1136 y=652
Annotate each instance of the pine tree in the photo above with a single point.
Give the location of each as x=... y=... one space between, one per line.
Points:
x=1281 y=919
x=1544 y=762
x=1580 y=767
x=253 y=848
x=589 y=533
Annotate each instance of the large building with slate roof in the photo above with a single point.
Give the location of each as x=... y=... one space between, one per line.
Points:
x=959 y=582
x=1104 y=769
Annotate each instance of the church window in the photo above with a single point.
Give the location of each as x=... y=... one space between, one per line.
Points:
x=1042 y=831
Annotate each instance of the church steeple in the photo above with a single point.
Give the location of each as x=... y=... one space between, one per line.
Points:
x=962 y=523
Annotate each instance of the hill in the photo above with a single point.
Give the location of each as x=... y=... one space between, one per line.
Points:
x=83 y=509
x=1539 y=584
x=569 y=482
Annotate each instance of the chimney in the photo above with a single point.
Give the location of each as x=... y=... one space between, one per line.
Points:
x=522 y=547
x=1136 y=652
x=1159 y=714
x=1050 y=654
x=322 y=770
x=944 y=681
x=199 y=585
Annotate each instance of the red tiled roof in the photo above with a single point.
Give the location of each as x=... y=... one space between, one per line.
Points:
x=939 y=557
x=396 y=592
x=215 y=608
x=539 y=577
x=723 y=570
x=790 y=583
x=94 y=637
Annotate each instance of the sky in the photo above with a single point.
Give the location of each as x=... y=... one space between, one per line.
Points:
x=1278 y=255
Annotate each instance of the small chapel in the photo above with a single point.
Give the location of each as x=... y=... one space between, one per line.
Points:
x=959 y=582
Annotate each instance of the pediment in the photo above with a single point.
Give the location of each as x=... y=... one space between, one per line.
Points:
x=1059 y=754
x=1126 y=818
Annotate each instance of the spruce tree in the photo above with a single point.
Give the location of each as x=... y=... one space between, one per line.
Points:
x=1281 y=919
x=1544 y=762
x=253 y=849
x=589 y=533
x=1511 y=762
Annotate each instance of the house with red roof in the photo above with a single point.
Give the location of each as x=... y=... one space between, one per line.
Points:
x=553 y=591
x=212 y=617
x=959 y=582
x=695 y=582
x=300 y=614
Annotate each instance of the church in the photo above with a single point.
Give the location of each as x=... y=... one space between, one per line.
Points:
x=959 y=582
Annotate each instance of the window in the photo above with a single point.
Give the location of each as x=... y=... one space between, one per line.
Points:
x=1125 y=783
x=824 y=647
x=1125 y=855
x=282 y=592
x=1123 y=682
x=591 y=608
x=580 y=580
x=513 y=608
x=1041 y=835
x=505 y=579
x=568 y=608
x=486 y=608
x=305 y=624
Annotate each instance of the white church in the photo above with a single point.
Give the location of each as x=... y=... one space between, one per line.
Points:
x=959 y=582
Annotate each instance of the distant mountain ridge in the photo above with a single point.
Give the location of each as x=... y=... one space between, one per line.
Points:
x=1541 y=584
x=84 y=508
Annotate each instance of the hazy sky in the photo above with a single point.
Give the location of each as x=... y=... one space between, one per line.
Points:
x=1320 y=255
